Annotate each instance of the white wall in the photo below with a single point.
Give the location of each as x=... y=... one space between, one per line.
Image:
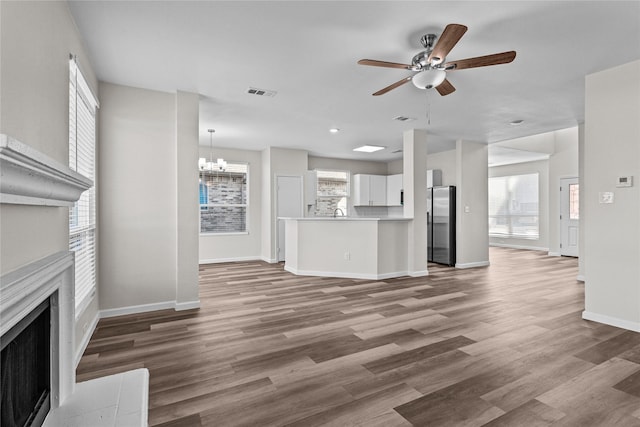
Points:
x=446 y=162
x=472 y=234
x=563 y=163
x=36 y=39
x=276 y=161
x=138 y=199
x=219 y=248
x=612 y=232
x=540 y=167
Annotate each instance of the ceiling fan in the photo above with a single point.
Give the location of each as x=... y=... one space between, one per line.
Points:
x=430 y=66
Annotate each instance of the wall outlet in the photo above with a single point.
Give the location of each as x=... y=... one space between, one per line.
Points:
x=347 y=256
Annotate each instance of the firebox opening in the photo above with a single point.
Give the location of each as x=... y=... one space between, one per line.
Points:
x=25 y=364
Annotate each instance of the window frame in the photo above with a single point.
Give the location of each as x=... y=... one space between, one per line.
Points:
x=245 y=205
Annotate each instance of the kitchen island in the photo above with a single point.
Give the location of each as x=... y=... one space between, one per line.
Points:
x=351 y=247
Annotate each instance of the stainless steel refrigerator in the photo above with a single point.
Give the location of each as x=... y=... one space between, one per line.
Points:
x=441 y=225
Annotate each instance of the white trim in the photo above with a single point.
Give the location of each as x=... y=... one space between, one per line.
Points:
x=554 y=254
x=143 y=308
x=269 y=260
x=188 y=305
x=135 y=309
x=86 y=338
x=473 y=264
x=346 y=275
x=420 y=273
x=580 y=278
x=235 y=259
x=613 y=321
x=530 y=248
x=30 y=177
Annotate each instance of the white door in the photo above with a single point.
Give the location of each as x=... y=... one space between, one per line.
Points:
x=288 y=205
x=569 y=216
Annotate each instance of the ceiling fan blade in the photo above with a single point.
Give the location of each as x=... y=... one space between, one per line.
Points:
x=445 y=88
x=393 y=86
x=481 y=61
x=376 y=63
x=450 y=36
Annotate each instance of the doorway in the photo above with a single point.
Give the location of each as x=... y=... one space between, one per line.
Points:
x=569 y=216
x=288 y=205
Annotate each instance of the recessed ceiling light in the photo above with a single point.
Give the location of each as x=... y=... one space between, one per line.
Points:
x=334 y=130
x=369 y=148
x=516 y=122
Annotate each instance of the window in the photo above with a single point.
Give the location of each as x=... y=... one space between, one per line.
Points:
x=513 y=206
x=332 y=192
x=224 y=199
x=82 y=215
x=574 y=201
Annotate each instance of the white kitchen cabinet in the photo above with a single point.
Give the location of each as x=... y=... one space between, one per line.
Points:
x=394 y=190
x=369 y=190
x=310 y=188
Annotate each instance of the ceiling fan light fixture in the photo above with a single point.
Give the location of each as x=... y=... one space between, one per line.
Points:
x=429 y=78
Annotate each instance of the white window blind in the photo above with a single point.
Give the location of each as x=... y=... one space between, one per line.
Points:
x=82 y=216
x=513 y=206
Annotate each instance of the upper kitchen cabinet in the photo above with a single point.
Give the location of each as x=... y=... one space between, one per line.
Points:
x=394 y=190
x=369 y=190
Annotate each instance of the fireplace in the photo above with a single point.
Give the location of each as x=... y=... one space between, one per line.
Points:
x=25 y=364
x=36 y=338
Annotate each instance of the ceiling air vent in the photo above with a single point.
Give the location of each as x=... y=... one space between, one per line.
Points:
x=261 y=92
x=404 y=119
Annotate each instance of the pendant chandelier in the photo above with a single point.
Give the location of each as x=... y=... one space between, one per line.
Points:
x=220 y=165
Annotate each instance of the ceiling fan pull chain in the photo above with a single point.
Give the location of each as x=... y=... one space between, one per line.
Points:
x=428 y=108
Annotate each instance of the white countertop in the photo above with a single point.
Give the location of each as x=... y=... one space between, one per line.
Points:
x=347 y=218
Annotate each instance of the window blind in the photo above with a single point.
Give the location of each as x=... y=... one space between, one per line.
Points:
x=82 y=216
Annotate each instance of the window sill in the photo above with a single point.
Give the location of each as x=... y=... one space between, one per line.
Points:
x=231 y=233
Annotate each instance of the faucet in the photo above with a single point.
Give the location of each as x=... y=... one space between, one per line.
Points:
x=335 y=212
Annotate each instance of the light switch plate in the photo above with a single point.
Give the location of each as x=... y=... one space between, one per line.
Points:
x=605 y=197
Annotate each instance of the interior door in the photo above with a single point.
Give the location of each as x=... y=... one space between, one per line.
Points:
x=288 y=205
x=569 y=216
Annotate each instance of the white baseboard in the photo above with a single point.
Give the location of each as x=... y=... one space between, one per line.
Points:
x=269 y=260
x=135 y=309
x=554 y=254
x=86 y=337
x=235 y=259
x=580 y=278
x=472 y=264
x=612 y=321
x=530 y=248
x=420 y=273
x=189 y=305
x=345 y=275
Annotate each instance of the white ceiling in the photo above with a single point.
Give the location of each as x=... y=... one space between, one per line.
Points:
x=307 y=51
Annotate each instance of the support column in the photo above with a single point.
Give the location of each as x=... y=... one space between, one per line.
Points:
x=472 y=200
x=187 y=215
x=415 y=199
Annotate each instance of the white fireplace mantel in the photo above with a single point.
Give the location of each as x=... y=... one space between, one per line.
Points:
x=29 y=177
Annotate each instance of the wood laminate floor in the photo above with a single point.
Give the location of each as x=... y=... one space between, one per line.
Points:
x=498 y=346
